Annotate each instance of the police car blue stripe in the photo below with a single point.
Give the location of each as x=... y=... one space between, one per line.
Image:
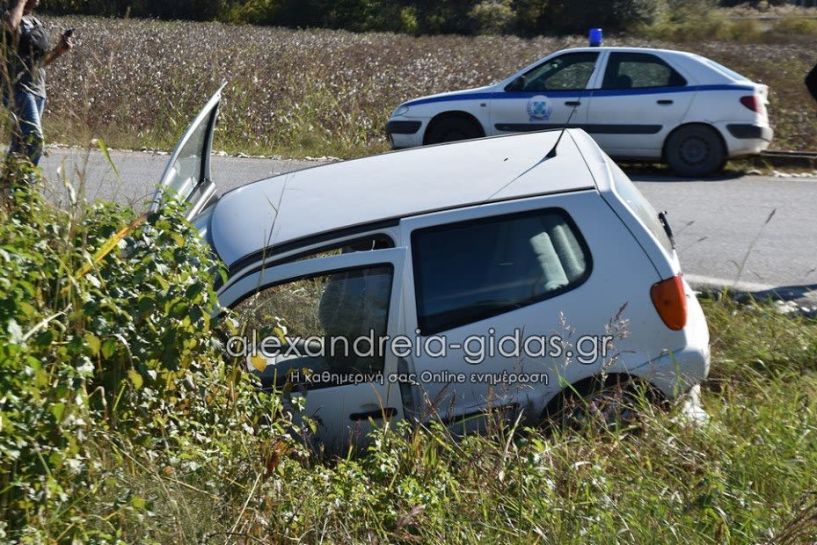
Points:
x=665 y=90
x=578 y=94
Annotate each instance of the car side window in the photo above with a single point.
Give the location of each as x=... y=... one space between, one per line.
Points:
x=465 y=272
x=639 y=71
x=332 y=321
x=568 y=72
x=362 y=244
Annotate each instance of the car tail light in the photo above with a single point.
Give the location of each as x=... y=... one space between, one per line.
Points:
x=670 y=301
x=751 y=102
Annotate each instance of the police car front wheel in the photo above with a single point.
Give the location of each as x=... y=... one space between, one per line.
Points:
x=452 y=129
x=695 y=150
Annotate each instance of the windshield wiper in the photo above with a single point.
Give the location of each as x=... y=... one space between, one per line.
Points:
x=662 y=217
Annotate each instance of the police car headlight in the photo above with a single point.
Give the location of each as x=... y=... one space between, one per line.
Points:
x=401 y=110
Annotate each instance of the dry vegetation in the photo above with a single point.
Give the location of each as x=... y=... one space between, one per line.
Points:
x=138 y=83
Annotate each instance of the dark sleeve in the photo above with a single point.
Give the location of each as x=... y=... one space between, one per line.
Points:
x=811 y=82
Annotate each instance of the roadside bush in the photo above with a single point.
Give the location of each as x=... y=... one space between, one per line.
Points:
x=111 y=371
x=688 y=21
x=254 y=12
x=577 y=16
x=492 y=16
x=795 y=25
x=195 y=10
x=530 y=17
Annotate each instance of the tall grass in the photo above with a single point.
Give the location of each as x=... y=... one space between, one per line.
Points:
x=746 y=477
x=121 y=423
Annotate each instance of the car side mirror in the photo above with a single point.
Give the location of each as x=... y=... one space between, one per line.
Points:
x=516 y=85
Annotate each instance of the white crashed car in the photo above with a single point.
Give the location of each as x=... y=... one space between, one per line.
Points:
x=643 y=104
x=448 y=282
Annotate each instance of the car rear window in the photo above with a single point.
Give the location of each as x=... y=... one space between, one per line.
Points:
x=641 y=207
x=724 y=70
x=469 y=271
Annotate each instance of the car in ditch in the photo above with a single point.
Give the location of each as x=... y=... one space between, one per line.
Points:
x=636 y=103
x=446 y=282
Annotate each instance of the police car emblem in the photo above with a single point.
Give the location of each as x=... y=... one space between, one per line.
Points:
x=539 y=109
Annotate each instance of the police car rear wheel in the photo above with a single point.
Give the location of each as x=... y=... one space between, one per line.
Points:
x=452 y=129
x=696 y=150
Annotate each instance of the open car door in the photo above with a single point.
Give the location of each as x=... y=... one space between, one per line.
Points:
x=187 y=174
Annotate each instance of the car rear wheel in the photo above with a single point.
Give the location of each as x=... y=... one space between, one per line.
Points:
x=614 y=403
x=451 y=129
x=695 y=150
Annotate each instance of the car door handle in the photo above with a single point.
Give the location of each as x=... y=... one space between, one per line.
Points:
x=666 y=102
x=573 y=103
x=378 y=414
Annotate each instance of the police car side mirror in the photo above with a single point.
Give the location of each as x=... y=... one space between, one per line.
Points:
x=516 y=85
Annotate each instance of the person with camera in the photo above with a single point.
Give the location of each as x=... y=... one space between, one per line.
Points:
x=28 y=51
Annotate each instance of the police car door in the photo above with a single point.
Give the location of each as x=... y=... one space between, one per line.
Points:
x=545 y=96
x=187 y=175
x=640 y=101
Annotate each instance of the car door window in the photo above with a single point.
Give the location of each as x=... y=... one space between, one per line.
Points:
x=187 y=175
x=469 y=271
x=333 y=323
x=639 y=71
x=566 y=72
x=363 y=244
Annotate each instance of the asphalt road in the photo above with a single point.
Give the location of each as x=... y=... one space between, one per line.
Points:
x=723 y=230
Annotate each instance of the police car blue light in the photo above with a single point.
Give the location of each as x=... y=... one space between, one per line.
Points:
x=596 y=37
x=637 y=103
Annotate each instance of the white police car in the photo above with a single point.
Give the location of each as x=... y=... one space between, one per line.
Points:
x=644 y=104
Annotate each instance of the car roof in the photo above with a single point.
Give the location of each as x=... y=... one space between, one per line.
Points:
x=623 y=49
x=325 y=199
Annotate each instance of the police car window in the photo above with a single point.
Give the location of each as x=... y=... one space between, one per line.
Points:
x=566 y=72
x=639 y=71
x=724 y=70
x=470 y=271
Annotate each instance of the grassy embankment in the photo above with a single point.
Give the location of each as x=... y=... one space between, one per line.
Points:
x=138 y=84
x=121 y=423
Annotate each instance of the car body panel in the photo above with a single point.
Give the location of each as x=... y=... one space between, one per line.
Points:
x=617 y=289
x=635 y=119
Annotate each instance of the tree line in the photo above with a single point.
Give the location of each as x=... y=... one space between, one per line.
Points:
x=522 y=17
